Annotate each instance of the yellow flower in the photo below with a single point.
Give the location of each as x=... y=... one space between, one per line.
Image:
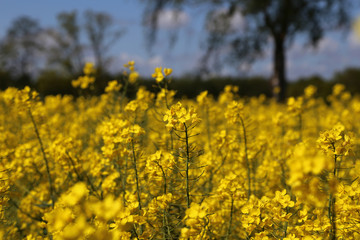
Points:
x=310 y=91
x=295 y=106
x=234 y=111
x=283 y=199
x=113 y=86
x=357 y=28
x=83 y=82
x=89 y=68
x=76 y=193
x=177 y=116
x=338 y=88
x=291 y=237
x=129 y=64
x=202 y=98
x=335 y=140
x=133 y=76
x=158 y=75
x=167 y=71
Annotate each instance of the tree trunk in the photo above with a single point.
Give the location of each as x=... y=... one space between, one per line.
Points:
x=279 y=76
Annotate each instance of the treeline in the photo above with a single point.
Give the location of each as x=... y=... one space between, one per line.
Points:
x=31 y=54
x=51 y=83
x=48 y=59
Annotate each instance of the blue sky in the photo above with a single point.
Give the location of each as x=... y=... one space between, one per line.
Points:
x=335 y=51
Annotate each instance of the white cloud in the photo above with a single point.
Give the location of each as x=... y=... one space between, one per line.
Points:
x=145 y=66
x=353 y=40
x=244 y=67
x=262 y=68
x=155 y=61
x=237 y=21
x=327 y=45
x=172 y=19
x=89 y=58
x=220 y=19
x=47 y=38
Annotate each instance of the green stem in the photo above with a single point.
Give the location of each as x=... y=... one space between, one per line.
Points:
x=136 y=175
x=166 y=90
x=332 y=216
x=333 y=219
x=137 y=180
x=164 y=177
x=286 y=223
x=187 y=166
x=208 y=127
x=300 y=128
x=167 y=225
x=123 y=95
x=231 y=218
x=51 y=187
x=332 y=200
x=246 y=158
x=164 y=222
x=124 y=180
x=80 y=176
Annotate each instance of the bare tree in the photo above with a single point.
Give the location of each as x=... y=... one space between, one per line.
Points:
x=20 y=48
x=67 y=51
x=102 y=34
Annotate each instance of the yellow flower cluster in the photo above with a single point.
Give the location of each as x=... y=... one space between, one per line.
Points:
x=109 y=167
x=133 y=75
x=84 y=81
x=335 y=140
x=357 y=28
x=178 y=117
x=159 y=75
x=113 y=86
x=195 y=220
x=266 y=212
x=234 y=111
x=69 y=218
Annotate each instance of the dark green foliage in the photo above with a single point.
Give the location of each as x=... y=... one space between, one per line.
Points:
x=190 y=88
x=254 y=86
x=350 y=78
x=324 y=87
x=52 y=83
